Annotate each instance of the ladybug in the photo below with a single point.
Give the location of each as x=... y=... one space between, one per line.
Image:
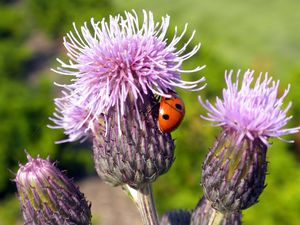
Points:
x=171 y=113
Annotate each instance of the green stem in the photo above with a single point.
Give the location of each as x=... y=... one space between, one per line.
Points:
x=216 y=218
x=143 y=198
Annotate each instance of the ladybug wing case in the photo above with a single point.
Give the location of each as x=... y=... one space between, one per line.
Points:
x=171 y=113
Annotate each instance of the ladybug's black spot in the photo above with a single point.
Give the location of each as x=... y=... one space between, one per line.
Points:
x=165 y=116
x=178 y=106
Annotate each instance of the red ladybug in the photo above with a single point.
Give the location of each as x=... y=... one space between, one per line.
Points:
x=171 y=113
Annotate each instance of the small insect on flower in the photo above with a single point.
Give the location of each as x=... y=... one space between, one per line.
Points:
x=171 y=113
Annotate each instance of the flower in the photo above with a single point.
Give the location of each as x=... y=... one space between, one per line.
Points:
x=48 y=196
x=116 y=59
x=234 y=170
x=253 y=112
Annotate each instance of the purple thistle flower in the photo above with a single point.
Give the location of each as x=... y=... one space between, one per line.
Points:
x=116 y=59
x=48 y=196
x=234 y=170
x=253 y=111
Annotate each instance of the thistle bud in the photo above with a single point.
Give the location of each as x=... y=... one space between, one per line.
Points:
x=176 y=217
x=48 y=196
x=203 y=212
x=140 y=154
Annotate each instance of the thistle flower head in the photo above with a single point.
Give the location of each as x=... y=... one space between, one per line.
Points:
x=115 y=59
x=47 y=196
x=234 y=170
x=253 y=110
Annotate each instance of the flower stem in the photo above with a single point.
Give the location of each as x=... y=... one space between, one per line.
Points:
x=143 y=198
x=216 y=218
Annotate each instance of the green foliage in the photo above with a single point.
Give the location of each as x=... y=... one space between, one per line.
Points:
x=55 y=17
x=9 y=208
x=13 y=67
x=10 y=23
x=13 y=56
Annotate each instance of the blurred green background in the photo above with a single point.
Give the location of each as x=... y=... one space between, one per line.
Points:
x=263 y=35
